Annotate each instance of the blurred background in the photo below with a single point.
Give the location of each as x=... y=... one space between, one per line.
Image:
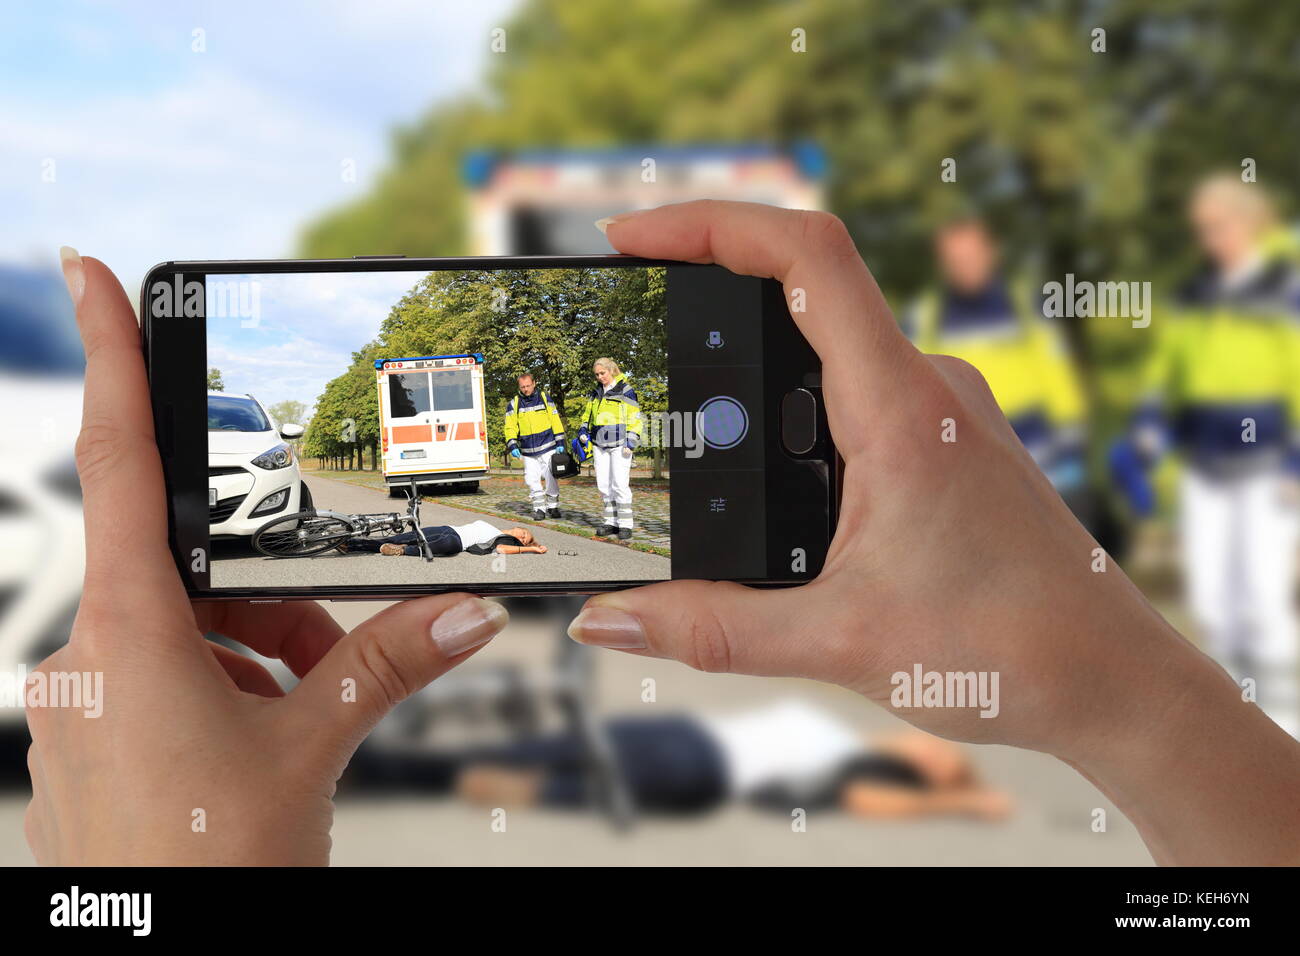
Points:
x=976 y=151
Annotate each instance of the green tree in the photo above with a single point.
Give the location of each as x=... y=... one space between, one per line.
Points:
x=1081 y=157
x=551 y=323
x=215 y=384
x=289 y=412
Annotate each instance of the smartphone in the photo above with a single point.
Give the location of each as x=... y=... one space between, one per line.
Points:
x=385 y=427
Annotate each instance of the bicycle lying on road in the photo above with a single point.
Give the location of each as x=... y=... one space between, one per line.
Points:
x=306 y=533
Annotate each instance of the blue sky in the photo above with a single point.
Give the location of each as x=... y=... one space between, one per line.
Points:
x=305 y=332
x=159 y=152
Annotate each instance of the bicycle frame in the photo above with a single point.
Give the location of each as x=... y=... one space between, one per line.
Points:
x=363 y=524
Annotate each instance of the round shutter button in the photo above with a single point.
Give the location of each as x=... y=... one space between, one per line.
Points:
x=723 y=422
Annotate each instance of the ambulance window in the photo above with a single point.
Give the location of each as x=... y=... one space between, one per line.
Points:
x=408 y=394
x=452 y=390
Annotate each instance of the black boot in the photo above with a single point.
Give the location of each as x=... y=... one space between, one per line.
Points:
x=539 y=515
x=624 y=533
x=606 y=530
x=553 y=513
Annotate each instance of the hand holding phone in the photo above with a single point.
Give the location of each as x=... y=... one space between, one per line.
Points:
x=958 y=558
x=191 y=736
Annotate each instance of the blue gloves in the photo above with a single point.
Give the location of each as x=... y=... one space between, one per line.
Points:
x=1130 y=475
x=514 y=452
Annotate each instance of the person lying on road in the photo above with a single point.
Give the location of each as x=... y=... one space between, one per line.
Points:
x=477 y=537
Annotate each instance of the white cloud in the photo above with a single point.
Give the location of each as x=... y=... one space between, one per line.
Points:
x=162 y=154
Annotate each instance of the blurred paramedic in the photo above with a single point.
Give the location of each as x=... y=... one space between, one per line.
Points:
x=1223 y=387
x=611 y=424
x=534 y=432
x=980 y=316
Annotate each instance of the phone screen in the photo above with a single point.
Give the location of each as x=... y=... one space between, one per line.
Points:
x=510 y=429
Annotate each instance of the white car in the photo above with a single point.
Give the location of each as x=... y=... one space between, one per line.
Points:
x=42 y=551
x=253 y=474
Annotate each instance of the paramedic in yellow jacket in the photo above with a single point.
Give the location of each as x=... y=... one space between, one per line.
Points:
x=611 y=428
x=998 y=326
x=1223 y=389
x=535 y=432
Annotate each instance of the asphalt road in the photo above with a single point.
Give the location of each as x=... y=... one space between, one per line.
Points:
x=237 y=565
x=1053 y=822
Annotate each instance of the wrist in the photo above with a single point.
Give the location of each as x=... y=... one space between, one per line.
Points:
x=1204 y=775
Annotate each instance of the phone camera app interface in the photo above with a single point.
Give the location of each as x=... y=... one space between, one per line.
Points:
x=480 y=427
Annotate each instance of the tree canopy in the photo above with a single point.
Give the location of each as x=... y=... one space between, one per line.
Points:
x=551 y=323
x=1082 y=156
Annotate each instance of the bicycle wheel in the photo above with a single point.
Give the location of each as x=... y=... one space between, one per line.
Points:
x=300 y=535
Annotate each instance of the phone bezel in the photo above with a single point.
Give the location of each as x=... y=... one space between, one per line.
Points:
x=827 y=456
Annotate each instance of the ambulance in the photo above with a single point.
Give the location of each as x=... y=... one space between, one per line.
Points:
x=432 y=421
x=542 y=202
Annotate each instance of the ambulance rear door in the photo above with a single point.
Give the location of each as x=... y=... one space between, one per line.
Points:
x=434 y=417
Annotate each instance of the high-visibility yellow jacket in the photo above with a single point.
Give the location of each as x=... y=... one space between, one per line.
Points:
x=1020 y=353
x=532 y=424
x=612 y=418
x=1222 y=382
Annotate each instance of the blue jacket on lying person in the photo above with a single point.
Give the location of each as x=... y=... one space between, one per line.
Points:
x=477 y=537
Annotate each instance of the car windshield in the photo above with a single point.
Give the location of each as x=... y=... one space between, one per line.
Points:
x=38 y=334
x=227 y=413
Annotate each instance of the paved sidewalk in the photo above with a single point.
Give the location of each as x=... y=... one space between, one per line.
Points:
x=580 y=504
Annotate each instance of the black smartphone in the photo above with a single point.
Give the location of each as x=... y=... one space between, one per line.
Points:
x=384 y=427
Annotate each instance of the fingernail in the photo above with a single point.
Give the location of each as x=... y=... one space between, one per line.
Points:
x=607 y=627
x=468 y=624
x=603 y=224
x=74 y=273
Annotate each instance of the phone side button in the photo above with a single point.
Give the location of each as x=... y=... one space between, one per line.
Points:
x=266 y=601
x=379 y=257
x=798 y=421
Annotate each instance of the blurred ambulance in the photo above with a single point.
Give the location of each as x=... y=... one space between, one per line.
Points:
x=543 y=202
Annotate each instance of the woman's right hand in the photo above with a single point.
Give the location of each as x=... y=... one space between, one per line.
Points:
x=952 y=551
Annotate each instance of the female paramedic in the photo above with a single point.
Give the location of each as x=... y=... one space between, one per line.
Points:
x=612 y=424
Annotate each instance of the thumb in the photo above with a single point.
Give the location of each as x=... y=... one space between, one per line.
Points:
x=717 y=627
x=385 y=660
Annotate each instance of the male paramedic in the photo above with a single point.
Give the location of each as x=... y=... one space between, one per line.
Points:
x=1223 y=388
x=611 y=426
x=997 y=325
x=535 y=432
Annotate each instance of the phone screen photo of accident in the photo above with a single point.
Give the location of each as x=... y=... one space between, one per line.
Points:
x=387 y=427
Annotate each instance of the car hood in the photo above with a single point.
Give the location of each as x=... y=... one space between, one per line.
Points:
x=248 y=444
x=44 y=416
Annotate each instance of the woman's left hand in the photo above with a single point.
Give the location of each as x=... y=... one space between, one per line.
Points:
x=196 y=754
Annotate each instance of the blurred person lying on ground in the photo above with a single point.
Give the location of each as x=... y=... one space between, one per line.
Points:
x=477 y=537
x=778 y=756
x=957 y=555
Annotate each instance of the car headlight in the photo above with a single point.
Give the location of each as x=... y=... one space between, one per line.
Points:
x=281 y=456
x=272 y=502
